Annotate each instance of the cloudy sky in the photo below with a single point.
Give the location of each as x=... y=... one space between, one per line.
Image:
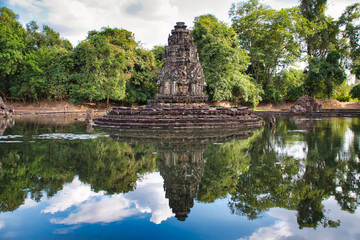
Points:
x=150 y=20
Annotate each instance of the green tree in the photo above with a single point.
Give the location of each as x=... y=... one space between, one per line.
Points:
x=324 y=74
x=102 y=66
x=288 y=82
x=45 y=72
x=316 y=27
x=329 y=44
x=355 y=91
x=223 y=62
x=269 y=36
x=142 y=84
x=12 y=49
x=158 y=51
x=351 y=32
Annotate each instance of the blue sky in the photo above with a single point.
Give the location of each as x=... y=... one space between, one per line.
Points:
x=150 y=20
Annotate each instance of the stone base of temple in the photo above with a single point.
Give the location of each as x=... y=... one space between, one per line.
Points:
x=179 y=117
x=177 y=139
x=178 y=99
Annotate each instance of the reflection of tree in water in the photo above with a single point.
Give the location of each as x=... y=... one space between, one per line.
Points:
x=224 y=163
x=275 y=179
x=181 y=159
x=257 y=172
x=42 y=166
x=38 y=166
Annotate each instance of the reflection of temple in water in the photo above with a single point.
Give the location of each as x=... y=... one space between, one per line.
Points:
x=182 y=169
x=308 y=124
x=180 y=158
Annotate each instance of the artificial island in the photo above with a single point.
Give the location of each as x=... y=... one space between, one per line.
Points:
x=181 y=102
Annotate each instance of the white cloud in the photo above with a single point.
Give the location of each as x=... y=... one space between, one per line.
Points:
x=32 y=6
x=77 y=17
x=336 y=7
x=279 y=4
x=148 y=197
x=150 y=20
x=2 y=225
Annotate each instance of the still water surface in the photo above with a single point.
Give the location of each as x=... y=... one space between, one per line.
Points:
x=299 y=180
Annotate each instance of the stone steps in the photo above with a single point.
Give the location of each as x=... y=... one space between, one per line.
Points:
x=158 y=117
x=177 y=125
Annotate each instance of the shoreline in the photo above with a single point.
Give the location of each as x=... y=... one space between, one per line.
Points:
x=330 y=107
x=323 y=113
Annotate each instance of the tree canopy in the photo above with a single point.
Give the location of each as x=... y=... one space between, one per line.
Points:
x=224 y=62
x=250 y=61
x=269 y=36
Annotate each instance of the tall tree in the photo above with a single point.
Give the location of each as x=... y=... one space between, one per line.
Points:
x=326 y=47
x=323 y=74
x=158 y=51
x=142 y=84
x=12 y=48
x=349 y=22
x=102 y=65
x=224 y=62
x=269 y=36
x=45 y=72
x=315 y=27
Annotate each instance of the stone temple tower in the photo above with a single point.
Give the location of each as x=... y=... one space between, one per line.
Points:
x=181 y=79
x=181 y=102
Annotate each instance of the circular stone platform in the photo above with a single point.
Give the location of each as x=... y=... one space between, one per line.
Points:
x=179 y=117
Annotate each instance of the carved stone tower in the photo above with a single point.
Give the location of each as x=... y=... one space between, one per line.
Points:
x=181 y=79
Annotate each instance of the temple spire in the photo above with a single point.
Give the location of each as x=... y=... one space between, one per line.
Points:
x=181 y=79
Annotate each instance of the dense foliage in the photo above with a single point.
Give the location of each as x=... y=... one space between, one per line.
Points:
x=250 y=61
x=40 y=65
x=224 y=62
x=269 y=36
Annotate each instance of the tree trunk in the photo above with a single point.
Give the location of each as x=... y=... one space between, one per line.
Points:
x=4 y=97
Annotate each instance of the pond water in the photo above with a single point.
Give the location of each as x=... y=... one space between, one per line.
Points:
x=62 y=180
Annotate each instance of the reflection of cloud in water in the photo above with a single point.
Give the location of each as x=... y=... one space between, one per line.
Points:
x=149 y=197
x=296 y=149
x=108 y=209
x=287 y=227
x=66 y=230
x=298 y=130
x=348 y=140
x=299 y=149
x=69 y=136
x=11 y=136
x=2 y=225
x=309 y=119
x=29 y=203
x=73 y=194
x=280 y=230
x=150 y=194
